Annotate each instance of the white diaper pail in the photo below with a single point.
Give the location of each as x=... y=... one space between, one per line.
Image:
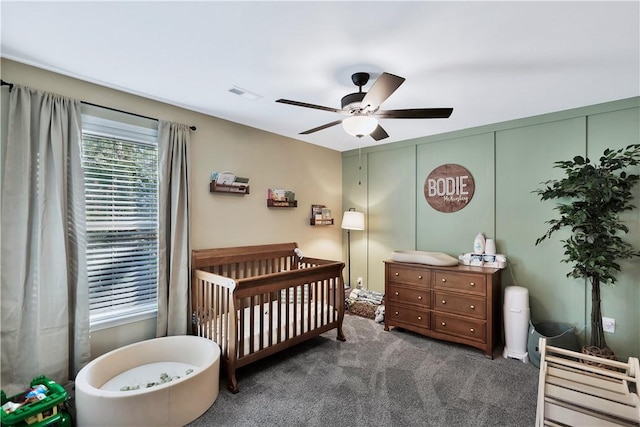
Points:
x=516 y=322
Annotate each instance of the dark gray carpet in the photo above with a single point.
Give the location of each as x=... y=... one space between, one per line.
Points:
x=378 y=378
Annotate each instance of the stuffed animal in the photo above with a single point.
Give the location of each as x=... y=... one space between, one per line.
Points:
x=379 y=314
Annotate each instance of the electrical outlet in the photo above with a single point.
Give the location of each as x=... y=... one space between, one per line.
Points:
x=609 y=324
x=359 y=282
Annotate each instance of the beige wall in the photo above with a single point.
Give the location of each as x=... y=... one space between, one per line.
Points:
x=314 y=173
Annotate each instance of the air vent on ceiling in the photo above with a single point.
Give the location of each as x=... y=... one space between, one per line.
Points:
x=252 y=96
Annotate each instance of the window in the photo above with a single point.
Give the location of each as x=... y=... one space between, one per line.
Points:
x=120 y=162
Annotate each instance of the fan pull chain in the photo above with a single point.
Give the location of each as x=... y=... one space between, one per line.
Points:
x=359 y=163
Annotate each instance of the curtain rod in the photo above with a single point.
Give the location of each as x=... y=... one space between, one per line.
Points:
x=193 y=128
x=126 y=112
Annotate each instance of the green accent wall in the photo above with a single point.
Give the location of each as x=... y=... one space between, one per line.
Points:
x=391 y=208
x=524 y=159
x=453 y=233
x=508 y=161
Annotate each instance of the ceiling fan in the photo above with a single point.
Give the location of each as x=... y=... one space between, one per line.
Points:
x=363 y=108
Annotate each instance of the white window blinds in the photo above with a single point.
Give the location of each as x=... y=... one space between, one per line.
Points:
x=121 y=186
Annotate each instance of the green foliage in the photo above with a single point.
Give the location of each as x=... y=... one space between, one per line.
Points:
x=593 y=196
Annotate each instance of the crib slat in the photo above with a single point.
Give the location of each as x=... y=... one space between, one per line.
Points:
x=279 y=322
x=207 y=308
x=261 y=318
x=286 y=315
x=220 y=325
x=240 y=331
x=308 y=287
x=295 y=311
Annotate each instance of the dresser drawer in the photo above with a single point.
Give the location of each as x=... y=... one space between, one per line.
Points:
x=468 y=328
x=459 y=304
x=468 y=283
x=408 y=275
x=399 y=314
x=405 y=295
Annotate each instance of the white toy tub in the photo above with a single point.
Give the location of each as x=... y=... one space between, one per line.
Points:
x=189 y=365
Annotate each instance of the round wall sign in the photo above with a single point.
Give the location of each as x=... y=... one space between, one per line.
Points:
x=449 y=188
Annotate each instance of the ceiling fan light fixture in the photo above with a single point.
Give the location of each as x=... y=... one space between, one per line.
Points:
x=360 y=125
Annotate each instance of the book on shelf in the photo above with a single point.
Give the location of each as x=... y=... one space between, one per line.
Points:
x=281 y=195
x=316 y=212
x=228 y=178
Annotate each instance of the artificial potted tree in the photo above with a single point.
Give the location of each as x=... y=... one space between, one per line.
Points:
x=592 y=196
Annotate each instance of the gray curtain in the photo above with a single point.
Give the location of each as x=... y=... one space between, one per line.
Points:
x=174 y=259
x=45 y=302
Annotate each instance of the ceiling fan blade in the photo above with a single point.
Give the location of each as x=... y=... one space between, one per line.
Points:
x=415 y=113
x=304 y=104
x=328 y=125
x=379 y=133
x=381 y=89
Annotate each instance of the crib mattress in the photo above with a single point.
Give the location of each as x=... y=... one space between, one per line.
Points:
x=266 y=314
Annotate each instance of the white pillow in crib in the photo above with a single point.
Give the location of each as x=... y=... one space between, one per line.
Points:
x=421 y=257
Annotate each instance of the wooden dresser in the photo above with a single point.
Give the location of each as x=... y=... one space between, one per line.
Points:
x=459 y=304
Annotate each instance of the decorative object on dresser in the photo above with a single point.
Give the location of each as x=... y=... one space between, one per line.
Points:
x=454 y=303
x=484 y=254
x=351 y=220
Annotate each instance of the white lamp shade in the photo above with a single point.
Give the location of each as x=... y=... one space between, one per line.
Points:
x=360 y=125
x=352 y=220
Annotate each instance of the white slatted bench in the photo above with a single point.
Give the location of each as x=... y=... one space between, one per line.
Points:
x=574 y=393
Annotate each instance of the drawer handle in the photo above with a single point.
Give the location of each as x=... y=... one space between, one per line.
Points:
x=473 y=307
x=420 y=297
x=397 y=274
x=397 y=313
x=419 y=277
x=472 y=330
x=444 y=280
x=444 y=302
x=419 y=317
x=472 y=284
x=444 y=324
x=397 y=294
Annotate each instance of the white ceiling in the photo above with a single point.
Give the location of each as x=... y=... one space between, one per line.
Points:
x=490 y=61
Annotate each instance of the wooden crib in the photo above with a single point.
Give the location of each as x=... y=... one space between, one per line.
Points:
x=257 y=300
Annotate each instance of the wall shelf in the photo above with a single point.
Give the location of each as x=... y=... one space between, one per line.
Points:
x=282 y=203
x=313 y=221
x=229 y=189
x=320 y=215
